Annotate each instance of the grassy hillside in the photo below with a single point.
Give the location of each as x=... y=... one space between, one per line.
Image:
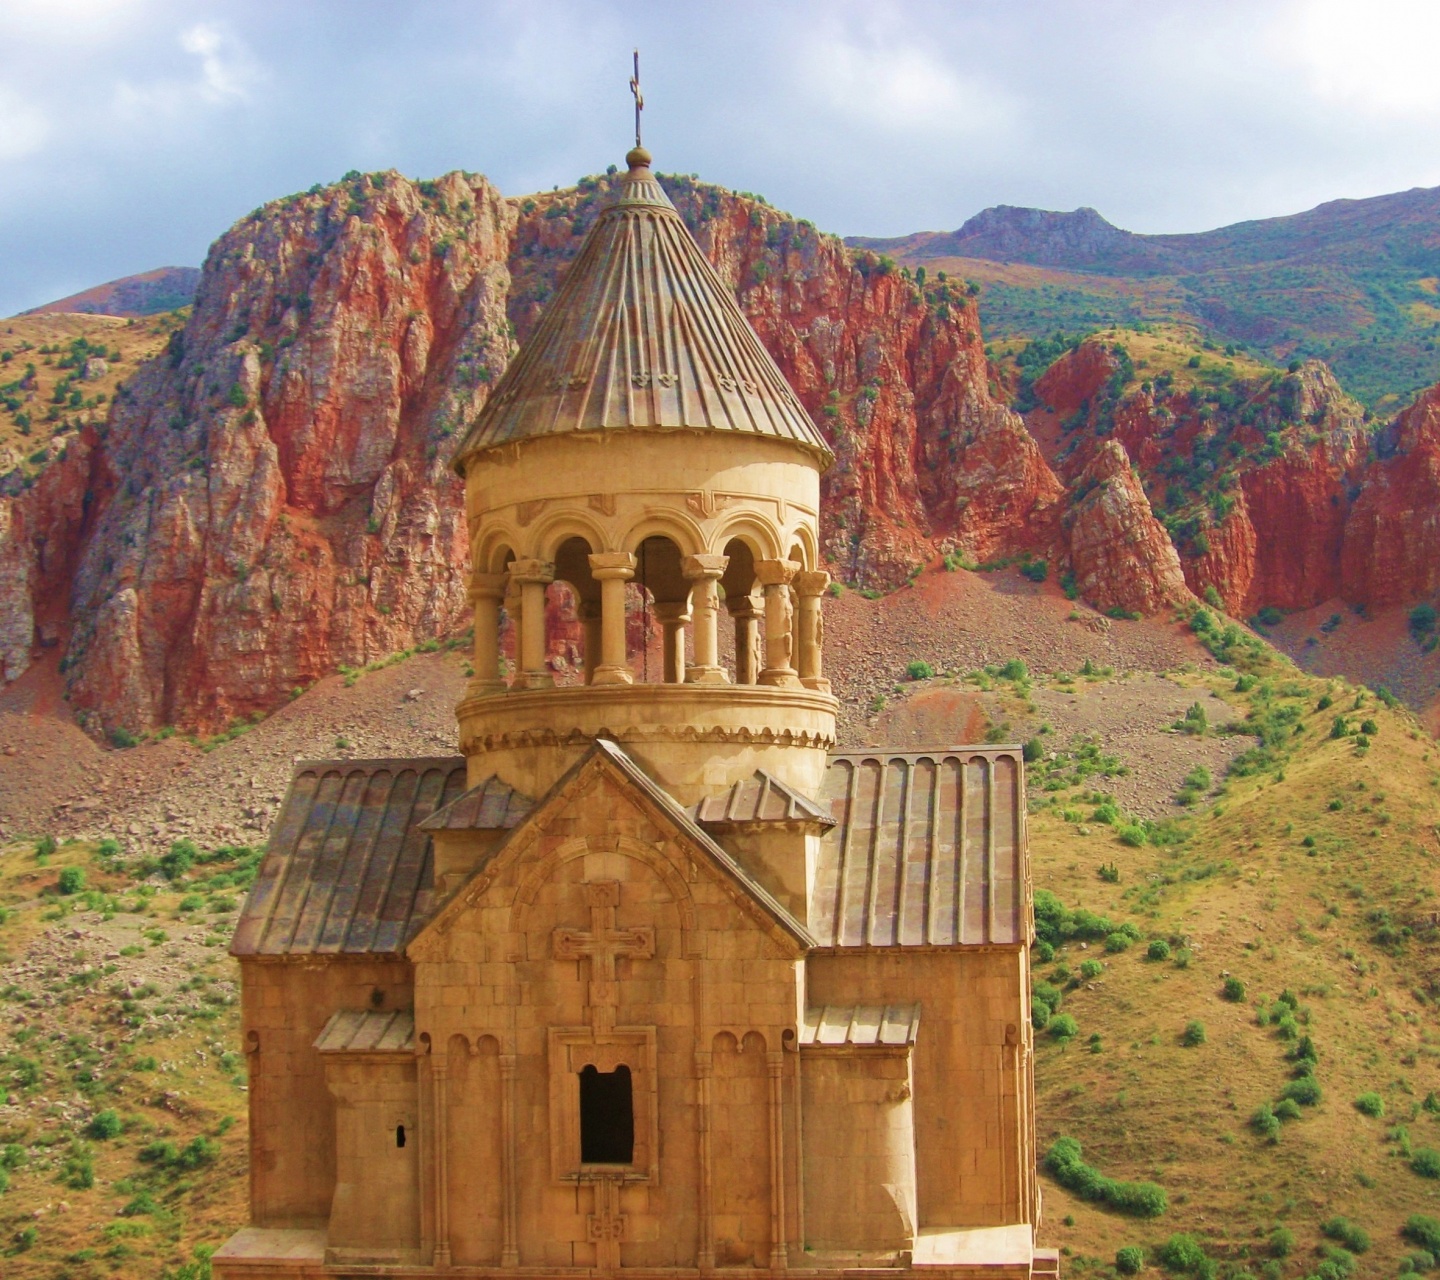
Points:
x=1354 y=282
x=1281 y=931
x=60 y=372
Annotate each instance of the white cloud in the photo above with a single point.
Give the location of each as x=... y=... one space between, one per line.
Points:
x=1377 y=57
x=24 y=127
x=227 y=75
x=900 y=88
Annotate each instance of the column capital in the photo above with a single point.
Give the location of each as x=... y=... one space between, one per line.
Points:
x=612 y=564
x=672 y=611
x=704 y=566
x=745 y=606
x=812 y=583
x=776 y=573
x=542 y=571
x=488 y=586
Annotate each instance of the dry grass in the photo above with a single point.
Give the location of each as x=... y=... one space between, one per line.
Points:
x=117 y=1000
x=1245 y=896
x=33 y=427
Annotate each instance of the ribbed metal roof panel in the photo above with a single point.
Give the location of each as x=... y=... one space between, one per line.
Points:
x=928 y=850
x=642 y=334
x=348 y=869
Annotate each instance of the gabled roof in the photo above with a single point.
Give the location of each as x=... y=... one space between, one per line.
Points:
x=759 y=798
x=348 y=869
x=927 y=850
x=491 y=805
x=642 y=335
x=664 y=807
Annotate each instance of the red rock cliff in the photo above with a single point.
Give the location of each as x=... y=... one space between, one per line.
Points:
x=270 y=499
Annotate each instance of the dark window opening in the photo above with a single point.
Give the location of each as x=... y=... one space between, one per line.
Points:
x=399 y=1135
x=607 y=1116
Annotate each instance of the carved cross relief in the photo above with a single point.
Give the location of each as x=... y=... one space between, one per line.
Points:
x=602 y=944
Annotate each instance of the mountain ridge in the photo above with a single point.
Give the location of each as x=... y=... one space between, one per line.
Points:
x=1354 y=282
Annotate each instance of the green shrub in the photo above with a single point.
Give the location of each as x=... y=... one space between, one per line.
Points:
x=1422 y=619
x=1370 y=1104
x=1282 y=1242
x=1193 y=1035
x=1131 y=834
x=919 y=669
x=1424 y=1231
x=72 y=880
x=1159 y=949
x=45 y=846
x=1305 y=1091
x=1117 y=942
x=1351 y=1234
x=1266 y=1123
x=1062 y=1026
x=1049 y=993
x=1369 y=728
x=1039 y=1014
x=104 y=1124
x=1143 y=1199
x=1014 y=670
x=1042 y=951
x=1426 y=1162
x=1130 y=1260
x=191 y=902
x=1182 y=1253
x=182 y=856
x=78 y=1169
x=1287 y=1109
x=1091 y=969
x=1233 y=990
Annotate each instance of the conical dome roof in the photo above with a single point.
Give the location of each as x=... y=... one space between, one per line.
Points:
x=642 y=335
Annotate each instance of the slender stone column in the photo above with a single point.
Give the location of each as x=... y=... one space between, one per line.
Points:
x=509 y=1173
x=533 y=576
x=439 y=1073
x=776 y=576
x=612 y=570
x=674 y=615
x=589 y=613
x=747 y=638
x=775 y=1066
x=704 y=573
x=486 y=592
x=811 y=589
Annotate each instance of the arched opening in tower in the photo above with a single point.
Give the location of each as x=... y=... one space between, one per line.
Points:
x=572 y=615
x=745 y=608
x=657 y=613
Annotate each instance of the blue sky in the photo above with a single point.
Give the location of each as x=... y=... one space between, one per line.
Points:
x=133 y=132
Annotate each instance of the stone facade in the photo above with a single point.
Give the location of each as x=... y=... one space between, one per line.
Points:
x=650 y=978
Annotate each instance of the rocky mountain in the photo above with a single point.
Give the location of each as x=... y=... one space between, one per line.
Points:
x=1352 y=282
x=146 y=294
x=269 y=500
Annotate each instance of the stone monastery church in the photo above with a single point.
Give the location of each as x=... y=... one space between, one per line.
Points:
x=651 y=977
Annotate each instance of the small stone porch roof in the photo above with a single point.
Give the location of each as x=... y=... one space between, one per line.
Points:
x=491 y=805
x=861 y=1025
x=759 y=798
x=368 y=1031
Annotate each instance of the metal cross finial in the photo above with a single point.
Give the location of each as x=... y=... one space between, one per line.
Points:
x=639 y=97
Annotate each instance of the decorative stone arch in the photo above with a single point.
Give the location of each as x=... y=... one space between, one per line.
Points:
x=761 y=536
x=670 y=523
x=559 y=526
x=739 y=1040
x=495 y=545
x=543 y=869
x=801 y=538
